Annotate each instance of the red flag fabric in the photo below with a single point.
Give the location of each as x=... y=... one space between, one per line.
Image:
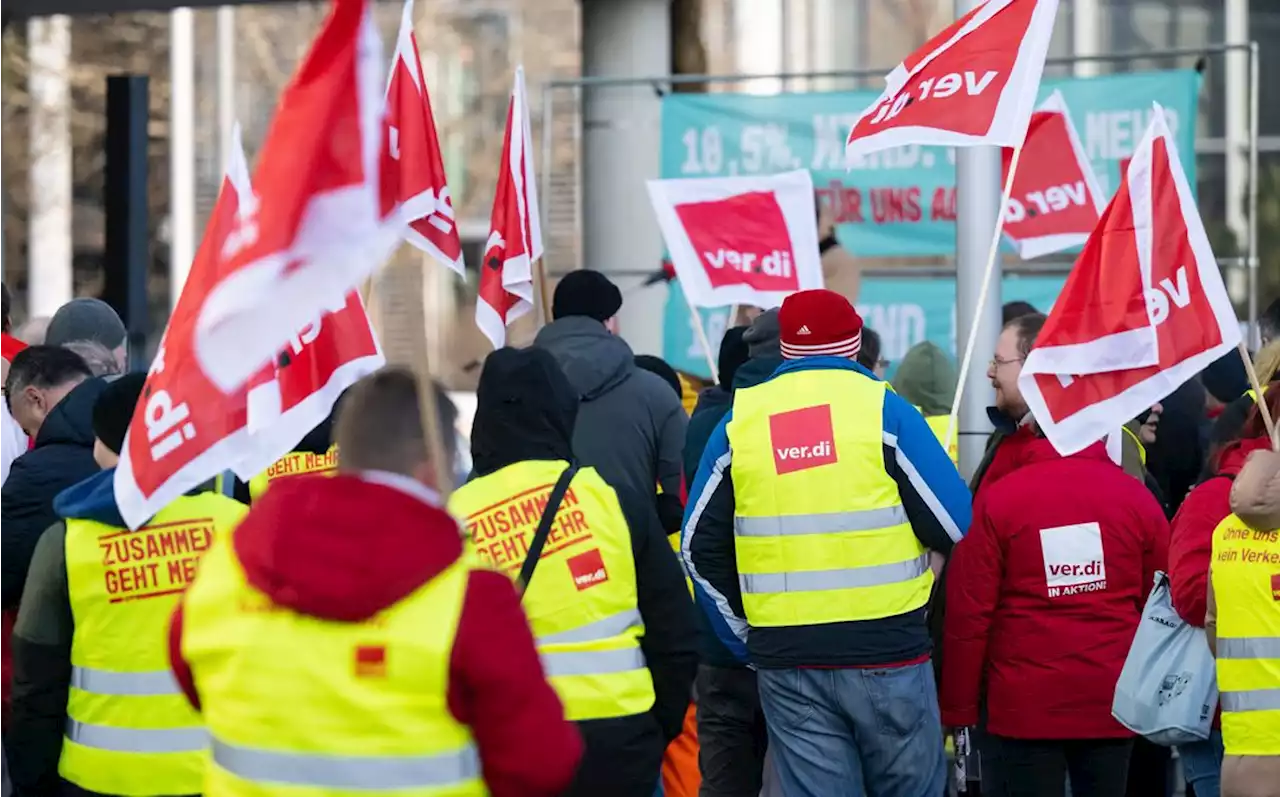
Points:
x=318 y=230
x=299 y=390
x=1143 y=310
x=515 y=231
x=185 y=430
x=1056 y=200
x=973 y=84
x=413 y=179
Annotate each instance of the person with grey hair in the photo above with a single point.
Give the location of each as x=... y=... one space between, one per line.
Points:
x=101 y=360
x=94 y=320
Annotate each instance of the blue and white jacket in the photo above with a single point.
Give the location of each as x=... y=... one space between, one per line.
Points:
x=937 y=504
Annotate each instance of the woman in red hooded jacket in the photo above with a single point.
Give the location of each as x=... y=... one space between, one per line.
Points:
x=1043 y=598
x=1189 y=547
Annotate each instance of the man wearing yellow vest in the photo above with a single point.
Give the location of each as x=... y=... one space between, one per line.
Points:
x=94 y=702
x=1243 y=625
x=339 y=643
x=810 y=521
x=606 y=597
x=926 y=378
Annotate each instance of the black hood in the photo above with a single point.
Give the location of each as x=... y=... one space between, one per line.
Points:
x=71 y=420
x=525 y=409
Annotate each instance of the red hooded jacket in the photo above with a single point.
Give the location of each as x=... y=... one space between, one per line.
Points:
x=1045 y=593
x=344 y=548
x=1192 y=538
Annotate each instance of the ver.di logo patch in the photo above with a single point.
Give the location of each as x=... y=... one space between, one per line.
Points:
x=802 y=439
x=587 y=569
x=1073 y=559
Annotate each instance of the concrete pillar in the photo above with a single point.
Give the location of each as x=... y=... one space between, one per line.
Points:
x=978 y=192
x=834 y=25
x=761 y=43
x=620 y=131
x=1236 y=97
x=1086 y=35
x=49 y=275
x=182 y=149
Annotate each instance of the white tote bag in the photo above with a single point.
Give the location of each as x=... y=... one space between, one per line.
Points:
x=1168 y=689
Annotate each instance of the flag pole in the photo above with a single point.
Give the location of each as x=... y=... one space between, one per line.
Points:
x=967 y=361
x=544 y=292
x=1267 y=421
x=700 y=331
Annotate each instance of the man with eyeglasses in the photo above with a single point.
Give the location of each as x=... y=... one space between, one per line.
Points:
x=1010 y=414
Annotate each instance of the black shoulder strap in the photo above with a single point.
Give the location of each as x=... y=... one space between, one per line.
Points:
x=544 y=526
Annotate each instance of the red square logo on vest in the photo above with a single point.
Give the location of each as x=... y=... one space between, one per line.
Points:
x=1275 y=586
x=588 y=569
x=802 y=439
x=371 y=661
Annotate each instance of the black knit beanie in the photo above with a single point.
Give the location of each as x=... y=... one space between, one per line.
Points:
x=587 y=293
x=113 y=410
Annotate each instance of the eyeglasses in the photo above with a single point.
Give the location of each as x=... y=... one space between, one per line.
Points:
x=996 y=362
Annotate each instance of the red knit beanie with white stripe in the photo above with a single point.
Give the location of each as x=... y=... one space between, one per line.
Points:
x=819 y=323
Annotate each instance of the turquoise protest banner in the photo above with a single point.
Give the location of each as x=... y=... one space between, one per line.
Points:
x=903 y=310
x=901 y=202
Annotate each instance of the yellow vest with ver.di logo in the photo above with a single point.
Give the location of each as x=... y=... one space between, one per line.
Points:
x=820 y=532
x=1245 y=568
x=130 y=731
x=581 y=601
x=296 y=463
x=299 y=706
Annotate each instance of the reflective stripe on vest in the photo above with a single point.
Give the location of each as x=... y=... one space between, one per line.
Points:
x=129 y=729
x=582 y=603
x=138 y=740
x=348 y=772
x=845 y=578
x=1245 y=575
x=107 y=682
x=365 y=711
x=821 y=523
x=820 y=533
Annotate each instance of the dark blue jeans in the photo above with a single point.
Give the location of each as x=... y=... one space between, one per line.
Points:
x=864 y=733
x=1202 y=765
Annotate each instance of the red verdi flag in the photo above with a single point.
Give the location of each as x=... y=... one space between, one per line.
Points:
x=515 y=232
x=318 y=230
x=185 y=430
x=1056 y=200
x=740 y=240
x=973 y=84
x=413 y=178
x=1143 y=310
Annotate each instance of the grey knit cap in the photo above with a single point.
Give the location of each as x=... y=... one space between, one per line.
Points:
x=763 y=336
x=86 y=319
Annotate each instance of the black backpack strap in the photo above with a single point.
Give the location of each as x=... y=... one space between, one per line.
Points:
x=544 y=526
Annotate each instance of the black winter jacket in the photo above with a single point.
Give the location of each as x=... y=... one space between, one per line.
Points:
x=62 y=456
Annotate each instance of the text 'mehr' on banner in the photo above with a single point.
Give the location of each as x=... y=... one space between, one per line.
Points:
x=740 y=240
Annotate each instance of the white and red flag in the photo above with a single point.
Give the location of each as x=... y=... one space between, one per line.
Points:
x=317 y=229
x=185 y=431
x=1055 y=201
x=515 y=232
x=413 y=179
x=1143 y=310
x=975 y=83
x=740 y=240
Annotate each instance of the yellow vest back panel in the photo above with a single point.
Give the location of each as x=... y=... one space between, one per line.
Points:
x=296 y=463
x=1245 y=568
x=820 y=532
x=582 y=601
x=130 y=731
x=298 y=706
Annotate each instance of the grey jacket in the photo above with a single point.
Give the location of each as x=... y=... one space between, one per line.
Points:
x=630 y=423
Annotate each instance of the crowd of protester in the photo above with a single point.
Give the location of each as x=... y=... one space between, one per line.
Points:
x=690 y=653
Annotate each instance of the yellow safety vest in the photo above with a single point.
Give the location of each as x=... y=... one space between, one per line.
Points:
x=130 y=731
x=298 y=706
x=939 y=424
x=582 y=600
x=820 y=532
x=1253 y=394
x=1245 y=568
x=297 y=463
